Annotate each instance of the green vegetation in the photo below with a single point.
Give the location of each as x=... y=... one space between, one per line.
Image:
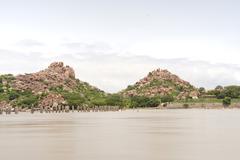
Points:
x=30 y=100
x=16 y=98
x=13 y=95
x=226 y=101
x=98 y=101
x=73 y=99
x=167 y=98
x=202 y=90
x=222 y=95
x=228 y=91
x=140 y=101
x=130 y=87
x=114 y=100
x=6 y=77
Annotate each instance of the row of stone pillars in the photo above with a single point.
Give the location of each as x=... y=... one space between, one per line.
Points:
x=67 y=109
x=8 y=110
x=62 y=109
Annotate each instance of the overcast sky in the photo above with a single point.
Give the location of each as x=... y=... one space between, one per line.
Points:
x=113 y=43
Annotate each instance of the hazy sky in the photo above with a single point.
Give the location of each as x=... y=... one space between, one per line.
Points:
x=113 y=43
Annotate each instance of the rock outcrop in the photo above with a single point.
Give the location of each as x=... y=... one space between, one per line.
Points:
x=162 y=82
x=50 y=87
x=56 y=75
x=51 y=100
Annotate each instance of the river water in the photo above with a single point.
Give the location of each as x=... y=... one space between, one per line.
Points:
x=130 y=135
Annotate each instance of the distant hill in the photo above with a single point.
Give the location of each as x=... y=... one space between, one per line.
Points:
x=56 y=84
x=160 y=83
x=56 y=75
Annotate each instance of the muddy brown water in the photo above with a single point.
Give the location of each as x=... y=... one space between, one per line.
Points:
x=130 y=135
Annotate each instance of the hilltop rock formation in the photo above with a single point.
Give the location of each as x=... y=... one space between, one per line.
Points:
x=56 y=75
x=55 y=85
x=162 y=82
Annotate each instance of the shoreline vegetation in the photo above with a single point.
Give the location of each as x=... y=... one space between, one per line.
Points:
x=115 y=102
x=56 y=89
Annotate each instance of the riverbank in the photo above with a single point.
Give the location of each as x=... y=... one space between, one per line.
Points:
x=198 y=106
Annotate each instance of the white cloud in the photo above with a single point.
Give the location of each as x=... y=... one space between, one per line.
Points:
x=195 y=48
x=29 y=43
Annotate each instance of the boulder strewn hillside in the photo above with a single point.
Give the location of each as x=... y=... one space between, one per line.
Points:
x=56 y=84
x=159 y=83
x=54 y=76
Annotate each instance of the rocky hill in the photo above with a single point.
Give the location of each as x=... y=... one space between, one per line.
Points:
x=56 y=84
x=159 y=83
x=55 y=75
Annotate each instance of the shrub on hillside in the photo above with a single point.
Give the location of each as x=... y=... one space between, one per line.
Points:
x=13 y=95
x=1 y=89
x=167 y=98
x=73 y=99
x=29 y=100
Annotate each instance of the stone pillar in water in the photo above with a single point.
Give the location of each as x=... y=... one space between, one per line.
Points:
x=32 y=110
x=16 y=110
x=67 y=109
x=41 y=109
x=72 y=108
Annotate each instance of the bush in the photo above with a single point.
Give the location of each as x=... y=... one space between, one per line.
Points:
x=114 y=100
x=99 y=101
x=219 y=87
x=153 y=102
x=220 y=95
x=73 y=99
x=167 y=98
x=228 y=91
x=202 y=90
x=57 y=89
x=226 y=101
x=130 y=87
x=155 y=82
x=13 y=95
x=179 y=88
x=232 y=91
x=141 y=101
x=1 y=90
x=28 y=100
